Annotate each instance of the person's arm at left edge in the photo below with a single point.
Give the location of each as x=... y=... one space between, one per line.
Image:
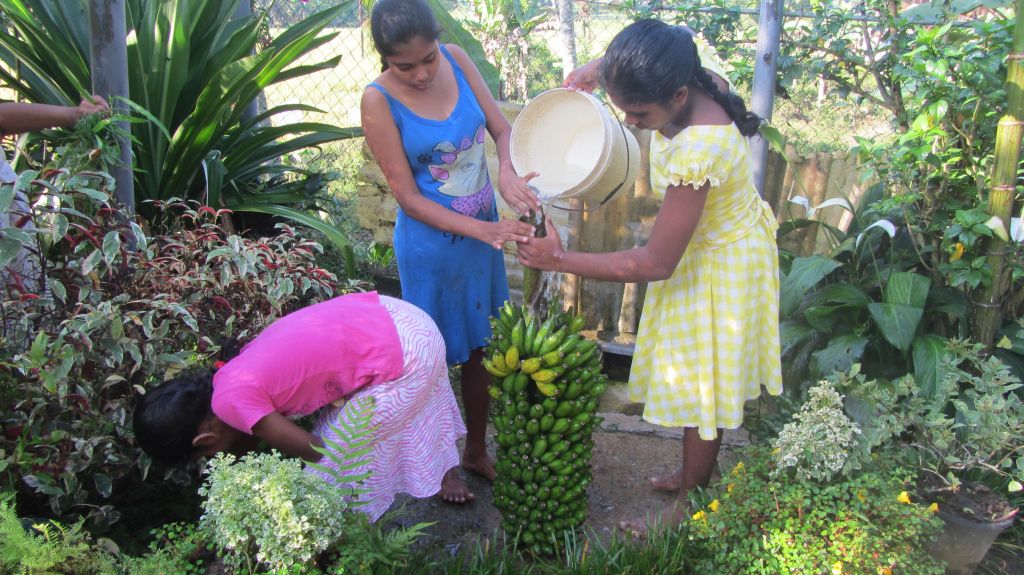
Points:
x=513 y=188
x=290 y=439
x=21 y=117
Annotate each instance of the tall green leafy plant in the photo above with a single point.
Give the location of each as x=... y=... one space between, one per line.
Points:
x=193 y=68
x=865 y=301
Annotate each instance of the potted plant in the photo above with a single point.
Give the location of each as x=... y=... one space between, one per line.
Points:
x=964 y=434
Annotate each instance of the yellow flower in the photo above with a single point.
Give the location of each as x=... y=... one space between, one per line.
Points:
x=714 y=505
x=884 y=571
x=738 y=469
x=958 y=252
x=728 y=488
x=934 y=508
x=837 y=569
x=861 y=497
x=903 y=497
x=700 y=515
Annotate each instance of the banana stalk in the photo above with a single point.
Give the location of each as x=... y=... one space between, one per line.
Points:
x=547 y=384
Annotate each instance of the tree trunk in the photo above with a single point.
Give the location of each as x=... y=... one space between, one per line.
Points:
x=987 y=309
x=566 y=35
x=762 y=98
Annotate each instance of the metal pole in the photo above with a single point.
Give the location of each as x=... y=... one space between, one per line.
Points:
x=109 y=60
x=763 y=93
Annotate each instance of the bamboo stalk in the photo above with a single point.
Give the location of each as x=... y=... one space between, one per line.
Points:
x=988 y=309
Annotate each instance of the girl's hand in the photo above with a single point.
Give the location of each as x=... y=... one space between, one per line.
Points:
x=584 y=78
x=91 y=105
x=497 y=233
x=545 y=253
x=516 y=191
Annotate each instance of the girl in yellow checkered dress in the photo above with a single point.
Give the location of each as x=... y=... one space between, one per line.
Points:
x=709 y=333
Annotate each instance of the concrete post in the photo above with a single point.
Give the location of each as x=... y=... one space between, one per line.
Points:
x=109 y=56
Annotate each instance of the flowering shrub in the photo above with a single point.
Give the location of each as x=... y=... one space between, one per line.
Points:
x=818 y=440
x=761 y=523
x=266 y=510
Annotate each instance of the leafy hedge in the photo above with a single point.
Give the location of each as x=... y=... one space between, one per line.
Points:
x=109 y=306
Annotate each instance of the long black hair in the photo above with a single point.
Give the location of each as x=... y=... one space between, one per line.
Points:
x=648 y=61
x=394 y=22
x=167 y=418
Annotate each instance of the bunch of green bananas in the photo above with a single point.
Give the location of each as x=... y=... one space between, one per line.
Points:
x=546 y=386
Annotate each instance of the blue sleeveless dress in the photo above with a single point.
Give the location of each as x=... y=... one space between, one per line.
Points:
x=458 y=281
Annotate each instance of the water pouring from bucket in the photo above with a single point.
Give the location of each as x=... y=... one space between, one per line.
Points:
x=579 y=151
x=576 y=146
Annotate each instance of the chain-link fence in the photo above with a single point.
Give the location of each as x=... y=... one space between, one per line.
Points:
x=527 y=48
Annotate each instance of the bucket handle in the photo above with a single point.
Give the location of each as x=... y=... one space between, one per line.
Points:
x=616 y=189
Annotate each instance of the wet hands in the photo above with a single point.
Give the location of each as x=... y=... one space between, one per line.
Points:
x=516 y=190
x=497 y=233
x=542 y=253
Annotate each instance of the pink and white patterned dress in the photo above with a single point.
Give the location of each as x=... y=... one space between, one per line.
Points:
x=416 y=417
x=355 y=346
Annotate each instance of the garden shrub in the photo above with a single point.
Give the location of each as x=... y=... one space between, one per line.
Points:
x=817 y=443
x=120 y=309
x=265 y=510
x=765 y=523
x=300 y=519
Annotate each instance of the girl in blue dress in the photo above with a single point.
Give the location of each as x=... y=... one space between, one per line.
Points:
x=425 y=119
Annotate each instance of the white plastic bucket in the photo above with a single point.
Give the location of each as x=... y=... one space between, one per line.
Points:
x=575 y=145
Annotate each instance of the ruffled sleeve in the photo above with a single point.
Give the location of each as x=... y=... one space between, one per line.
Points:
x=687 y=162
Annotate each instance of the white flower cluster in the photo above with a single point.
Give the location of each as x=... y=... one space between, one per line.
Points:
x=267 y=508
x=818 y=440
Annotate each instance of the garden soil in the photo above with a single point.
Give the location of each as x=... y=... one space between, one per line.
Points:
x=627 y=452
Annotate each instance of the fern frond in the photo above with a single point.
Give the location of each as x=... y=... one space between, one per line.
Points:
x=22 y=551
x=353 y=448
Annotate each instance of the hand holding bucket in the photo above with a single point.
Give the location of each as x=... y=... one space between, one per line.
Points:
x=575 y=145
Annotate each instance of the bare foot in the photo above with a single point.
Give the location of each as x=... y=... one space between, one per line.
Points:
x=670 y=482
x=480 y=464
x=669 y=517
x=453 y=489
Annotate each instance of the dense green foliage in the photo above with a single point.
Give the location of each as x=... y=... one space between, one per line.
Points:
x=193 y=69
x=109 y=310
x=762 y=524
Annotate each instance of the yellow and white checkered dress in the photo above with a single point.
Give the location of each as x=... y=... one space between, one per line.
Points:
x=709 y=335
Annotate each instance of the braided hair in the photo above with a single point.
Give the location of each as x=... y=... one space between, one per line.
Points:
x=649 y=61
x=394 y=22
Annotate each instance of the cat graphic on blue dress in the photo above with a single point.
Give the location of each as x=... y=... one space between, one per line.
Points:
x=464 y=175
